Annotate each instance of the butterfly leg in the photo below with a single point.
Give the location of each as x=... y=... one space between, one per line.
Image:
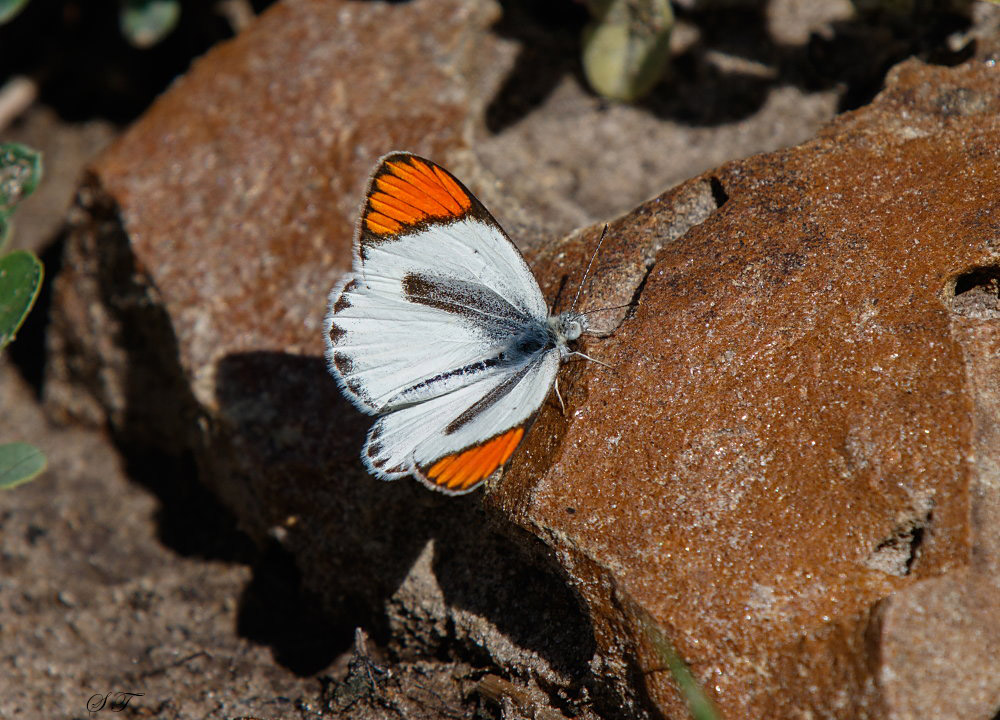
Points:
x=559 y=397
x=587 y=357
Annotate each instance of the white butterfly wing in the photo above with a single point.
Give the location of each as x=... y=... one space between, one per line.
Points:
x=415 y=332
x=405 y=327
x=455 y=441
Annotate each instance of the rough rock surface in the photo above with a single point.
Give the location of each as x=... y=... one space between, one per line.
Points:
x=190 y=307
x=777 y=474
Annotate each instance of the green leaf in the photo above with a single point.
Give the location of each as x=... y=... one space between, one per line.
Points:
x=20 y=173
x=10 y=8
x=20 y=280
x=19 y=463
x=626 y=49
x=145 y=22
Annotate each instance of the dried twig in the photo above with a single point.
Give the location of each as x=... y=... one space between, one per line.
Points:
x=16 y=96
x=495 y=688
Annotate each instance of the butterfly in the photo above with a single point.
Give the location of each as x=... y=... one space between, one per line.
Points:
x=440 y=330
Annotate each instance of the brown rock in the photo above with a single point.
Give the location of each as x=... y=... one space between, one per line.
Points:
x=941 y=637
x=776 y=475
x=213 y=230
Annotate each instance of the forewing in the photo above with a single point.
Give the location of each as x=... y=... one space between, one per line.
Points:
x=437 y=290
x=454 y=442
x=417 y=217
x=388 y=349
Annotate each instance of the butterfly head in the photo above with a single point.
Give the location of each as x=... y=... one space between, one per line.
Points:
x=567 y=327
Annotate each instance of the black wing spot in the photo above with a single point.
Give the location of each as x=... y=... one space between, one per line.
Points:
x=343 y=363
x=461 y=297
x=343 y=302
x=336 y=333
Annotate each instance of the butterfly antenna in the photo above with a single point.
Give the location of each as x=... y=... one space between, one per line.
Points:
x=613 y=307
x=589 y=265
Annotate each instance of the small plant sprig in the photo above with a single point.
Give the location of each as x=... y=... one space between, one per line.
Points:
x=10 y=8
x=626 y=48
x=143 y=22
x=20 y=271
x=700 y=707
x=20 y=280
x=19 y=463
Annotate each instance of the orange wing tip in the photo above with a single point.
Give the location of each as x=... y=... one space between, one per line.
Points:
x=464 y=470
x=393 y=186
x=453 y=188
x=407 y=191
x=396 y=209
x=381 y=224
x=426 y=184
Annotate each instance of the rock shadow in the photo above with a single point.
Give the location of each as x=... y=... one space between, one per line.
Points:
x=171 y=447
x=295 y=443
x=727 y=73
x=271 y=477
x=85 y=67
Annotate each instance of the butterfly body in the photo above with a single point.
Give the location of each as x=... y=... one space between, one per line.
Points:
x=441 y=331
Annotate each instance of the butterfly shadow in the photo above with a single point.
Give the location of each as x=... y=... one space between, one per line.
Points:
x=293 y=445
